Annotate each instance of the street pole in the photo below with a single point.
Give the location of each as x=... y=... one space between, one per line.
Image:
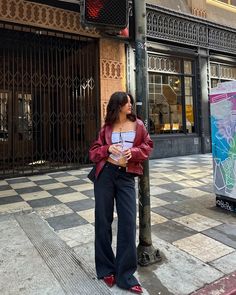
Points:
x=147 y=254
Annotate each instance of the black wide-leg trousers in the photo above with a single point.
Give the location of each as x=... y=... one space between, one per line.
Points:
x=115 y=184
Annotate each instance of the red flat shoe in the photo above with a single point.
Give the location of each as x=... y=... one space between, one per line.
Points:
x=136 y=289
x=110 y=280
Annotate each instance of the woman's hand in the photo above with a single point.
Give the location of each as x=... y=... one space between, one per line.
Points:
x=127 y=154
x=115 y=149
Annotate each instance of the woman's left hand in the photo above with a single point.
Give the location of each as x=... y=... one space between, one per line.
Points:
x=127 y=154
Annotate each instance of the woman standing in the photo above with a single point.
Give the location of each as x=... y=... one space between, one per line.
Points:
x=123 y=143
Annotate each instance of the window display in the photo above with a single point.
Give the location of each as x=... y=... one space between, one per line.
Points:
x=171 y=102
x=221 y=73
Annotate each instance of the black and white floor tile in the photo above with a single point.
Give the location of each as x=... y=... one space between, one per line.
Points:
x=182 y=204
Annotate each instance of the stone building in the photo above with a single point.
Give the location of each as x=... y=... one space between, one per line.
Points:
x=56 y=78
x=191 y=47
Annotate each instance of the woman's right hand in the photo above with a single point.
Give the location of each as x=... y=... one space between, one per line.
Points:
x=115 y=149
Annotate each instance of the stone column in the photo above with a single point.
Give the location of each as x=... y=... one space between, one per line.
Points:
x=112 y=70
x=203 y=100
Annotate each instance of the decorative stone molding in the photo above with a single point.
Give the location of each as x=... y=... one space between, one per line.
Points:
x=111 y=69
x=221 y=71
x=43 y=16
x=163 y=24
x=198 y=7
x=222 y=39
x=159 y=64
x=199 y=12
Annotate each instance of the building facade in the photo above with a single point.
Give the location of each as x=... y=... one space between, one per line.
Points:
x=191 y=48
x=55 y=80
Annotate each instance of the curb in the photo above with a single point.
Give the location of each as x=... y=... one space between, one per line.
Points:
x=223 y=286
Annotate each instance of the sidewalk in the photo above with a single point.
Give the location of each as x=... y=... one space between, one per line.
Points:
x=197 y=240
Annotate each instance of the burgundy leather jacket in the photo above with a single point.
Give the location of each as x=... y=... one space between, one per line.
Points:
x=140 y=151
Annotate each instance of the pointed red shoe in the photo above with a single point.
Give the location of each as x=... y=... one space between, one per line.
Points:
x=136 y=289
x=110 y=280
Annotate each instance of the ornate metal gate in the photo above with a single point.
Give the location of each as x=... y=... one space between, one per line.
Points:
x=48 y=101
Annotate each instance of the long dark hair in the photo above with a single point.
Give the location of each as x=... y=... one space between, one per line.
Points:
x=118 y=100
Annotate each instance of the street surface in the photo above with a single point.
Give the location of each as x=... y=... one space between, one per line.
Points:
x=47 y=233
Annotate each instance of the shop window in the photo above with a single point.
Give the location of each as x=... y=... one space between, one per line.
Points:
x=189 y=104
x=221 y=73
x=230 y=2
x=214 y=82
x=214 y=70
x=171 y=101
x=188 y=67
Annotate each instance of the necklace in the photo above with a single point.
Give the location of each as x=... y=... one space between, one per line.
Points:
x=121 y=140
x=122 y=124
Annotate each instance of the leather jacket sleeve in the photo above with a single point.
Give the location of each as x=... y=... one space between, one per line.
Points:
x=143 y=149
x=99 y=149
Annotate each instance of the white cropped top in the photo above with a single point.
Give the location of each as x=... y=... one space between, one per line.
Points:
x=125 y=139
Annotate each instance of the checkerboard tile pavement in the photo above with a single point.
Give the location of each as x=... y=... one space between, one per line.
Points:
x=183 y=208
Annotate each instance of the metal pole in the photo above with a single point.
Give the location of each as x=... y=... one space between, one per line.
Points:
x=146 y=252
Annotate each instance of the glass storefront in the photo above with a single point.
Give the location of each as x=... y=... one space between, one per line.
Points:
x=221 y=73
x=171 y=99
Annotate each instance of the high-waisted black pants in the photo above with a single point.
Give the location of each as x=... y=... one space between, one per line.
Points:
x=114 y=183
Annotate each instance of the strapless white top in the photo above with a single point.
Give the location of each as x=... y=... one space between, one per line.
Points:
x=125 y=139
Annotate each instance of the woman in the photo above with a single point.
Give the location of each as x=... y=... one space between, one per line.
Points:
x=123 y=143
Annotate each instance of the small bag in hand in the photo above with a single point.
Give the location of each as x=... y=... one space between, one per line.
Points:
x=92 y=173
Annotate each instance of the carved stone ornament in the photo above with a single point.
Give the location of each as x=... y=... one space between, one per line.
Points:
x=163 y=24
x=198 y=8
x=111 y=69
x=43 y=16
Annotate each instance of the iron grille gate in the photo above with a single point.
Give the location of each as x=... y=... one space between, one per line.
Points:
x=48 y=101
